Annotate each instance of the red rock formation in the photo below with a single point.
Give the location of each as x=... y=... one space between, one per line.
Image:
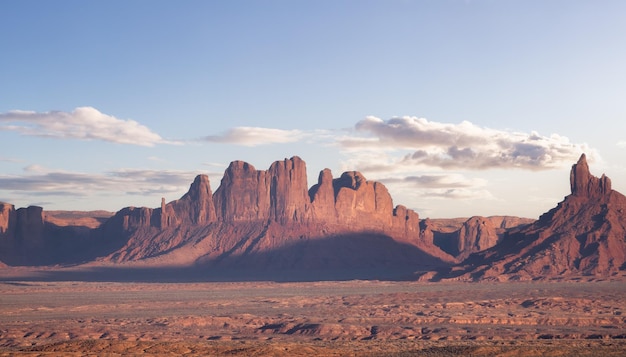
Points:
x=257 y=211
x=362 y=204
x=29 y=226
x=476 y=234
x=322 y=196
x=406 y=220
x=243 y=195
x=195 y=207
x=21 y=234
x=7 y=217
x=289 y=199
x=584 y=235
x=583 y=184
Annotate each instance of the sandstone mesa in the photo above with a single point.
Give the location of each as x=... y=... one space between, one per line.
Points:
x=271 y=221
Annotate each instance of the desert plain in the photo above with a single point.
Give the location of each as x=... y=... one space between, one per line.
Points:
x=323 y=318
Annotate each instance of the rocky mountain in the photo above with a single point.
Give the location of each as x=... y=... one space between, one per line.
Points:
x=272 y=221
x=584 y=235
x=256 y=219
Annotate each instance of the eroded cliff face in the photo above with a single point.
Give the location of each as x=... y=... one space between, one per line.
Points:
x=195 y=207
x=358 y=204
x=585 y=234
x=21 y=234
x=244 y=194
x=289 y=198
x=280 y=194
x=583 y=184
x=476 y=234
x=251 y=203
x=259 y=212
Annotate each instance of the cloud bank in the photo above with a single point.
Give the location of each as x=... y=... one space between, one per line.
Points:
x=457 y=146
x=255 y=136
x=83 y=123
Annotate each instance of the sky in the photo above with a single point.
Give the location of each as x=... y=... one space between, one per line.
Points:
x=460 y=107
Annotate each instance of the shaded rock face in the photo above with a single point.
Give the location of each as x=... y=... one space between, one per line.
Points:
x=30 y=226
x=462 y=237
x=21 y=233
x=585 y=234
x=477 y=234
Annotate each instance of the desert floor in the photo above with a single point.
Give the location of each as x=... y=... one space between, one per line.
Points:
x=354 y=318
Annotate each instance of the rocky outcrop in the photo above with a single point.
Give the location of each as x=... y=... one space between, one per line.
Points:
x=21 y=234
x=29 y=226
x=476 y=234
x=254 y=211
x=462 y=237
x=195 y=207
x=7 y=217
x=362 y=203
x=584 y=235
x=272 y=218
x=243 y=194
x=583 y=184
x=289 y=198
x=322 y=196
x=358 y=204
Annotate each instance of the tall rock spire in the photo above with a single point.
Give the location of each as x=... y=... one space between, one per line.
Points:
x=583 y=184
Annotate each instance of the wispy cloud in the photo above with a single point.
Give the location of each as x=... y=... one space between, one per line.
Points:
x=459 y=194
x=83 y=123
x=411 y=142
x=9 y=159
x=436 y=181
x=449 y=186
x=40 y=181
x=255 y=136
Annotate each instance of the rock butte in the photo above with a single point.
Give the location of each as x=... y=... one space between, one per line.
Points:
x=270 y=220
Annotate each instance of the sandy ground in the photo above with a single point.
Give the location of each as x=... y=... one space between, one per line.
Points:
x=354 y=318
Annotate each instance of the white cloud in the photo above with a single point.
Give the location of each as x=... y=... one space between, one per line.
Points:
x=83 y=123
x=622 y=144
x=411 y=142
x=255 y=136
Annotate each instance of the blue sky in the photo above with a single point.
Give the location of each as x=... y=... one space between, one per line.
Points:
x=460 y=107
